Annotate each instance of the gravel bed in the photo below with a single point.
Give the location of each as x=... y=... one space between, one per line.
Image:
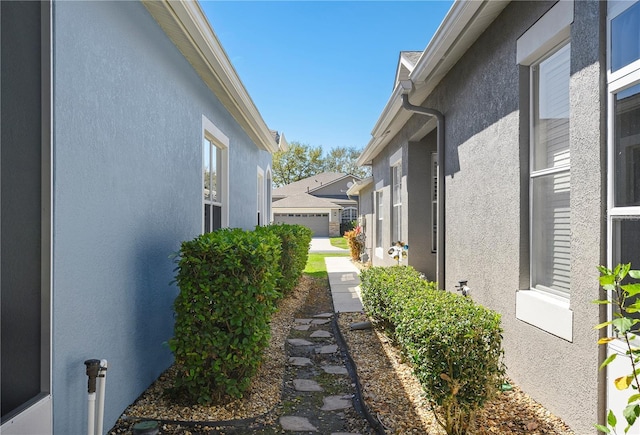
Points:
x=390 y=390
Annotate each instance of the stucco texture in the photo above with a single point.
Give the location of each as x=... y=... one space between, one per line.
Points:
x=486 y=189
x=127 y=190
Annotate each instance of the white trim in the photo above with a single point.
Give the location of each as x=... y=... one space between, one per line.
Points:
x=557 y=318
x=35 y=419
x=220 y=141
x=186 y=25
x=615 y=8
x=395 y=158
x=549 y=31
x=261 y=196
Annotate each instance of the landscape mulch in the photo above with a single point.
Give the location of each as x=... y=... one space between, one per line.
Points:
x=391 y=392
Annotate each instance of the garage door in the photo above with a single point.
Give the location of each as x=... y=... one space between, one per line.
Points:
x=316 y=222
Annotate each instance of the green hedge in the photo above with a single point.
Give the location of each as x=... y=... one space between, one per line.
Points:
x=228 y=293
x=294 y=240
x=454 y=345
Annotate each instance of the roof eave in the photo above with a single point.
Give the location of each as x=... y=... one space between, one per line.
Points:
x=186 y=25
x=464 y=22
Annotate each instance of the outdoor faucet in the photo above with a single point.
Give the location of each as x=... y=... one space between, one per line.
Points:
x=463 y=287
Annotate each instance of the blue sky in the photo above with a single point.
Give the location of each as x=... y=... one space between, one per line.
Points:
x=321 y=71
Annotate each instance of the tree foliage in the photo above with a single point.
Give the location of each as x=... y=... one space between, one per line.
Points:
x=298 y=162
x=301 y=161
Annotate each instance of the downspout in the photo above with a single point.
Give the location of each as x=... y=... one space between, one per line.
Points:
x=407 y=85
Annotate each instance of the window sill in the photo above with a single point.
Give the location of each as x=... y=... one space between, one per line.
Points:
x=545 y=312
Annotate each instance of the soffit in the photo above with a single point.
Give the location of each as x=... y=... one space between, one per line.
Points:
x=186 y=25
x=464 y=23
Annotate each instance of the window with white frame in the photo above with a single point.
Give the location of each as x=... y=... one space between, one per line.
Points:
x=215 y=177
x=349 y=214
x=268 y=197
x=550 y=184
x=624 y=134
x=379 y=215
x=396 y=193
x=260 y=197
x=544 y=51
x=434 y=202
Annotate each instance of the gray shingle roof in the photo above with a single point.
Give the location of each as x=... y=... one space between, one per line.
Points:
x=308 y=184
x=304 y=200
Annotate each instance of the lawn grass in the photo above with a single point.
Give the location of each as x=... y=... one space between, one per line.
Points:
x=339 y=242
x=316 y=266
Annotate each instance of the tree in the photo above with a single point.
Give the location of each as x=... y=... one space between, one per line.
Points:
x=302 y=161
x=298 y=162
x=343 y=159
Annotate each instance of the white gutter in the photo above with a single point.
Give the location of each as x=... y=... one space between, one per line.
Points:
x=188 y=28
x=464 y=23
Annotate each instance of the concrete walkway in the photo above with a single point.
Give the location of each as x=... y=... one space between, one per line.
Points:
x=343 y=276
x=345 y=284
x=322 y=245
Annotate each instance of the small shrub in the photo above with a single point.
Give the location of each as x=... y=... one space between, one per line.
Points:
x=355 y=239
x=227 y=283
x=294 y=241
x=453 y=344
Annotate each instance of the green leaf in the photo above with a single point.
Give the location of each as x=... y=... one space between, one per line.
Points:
x=624 y=270
x=635 y=274
x=608 y=360
x=602 y=325
x=631 y=413
x=611 y=419
x=631 y=289
x=601 y=302
x=604 y=270
x=633 y=397
x=607 y=280
x=602 y=428
x=622 y=324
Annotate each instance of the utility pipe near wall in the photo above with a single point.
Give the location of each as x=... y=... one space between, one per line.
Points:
x=407 y=85
x=96 y=372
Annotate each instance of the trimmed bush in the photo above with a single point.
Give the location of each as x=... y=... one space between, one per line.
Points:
x=454 y=345
x=294 y=240
x=228 y=293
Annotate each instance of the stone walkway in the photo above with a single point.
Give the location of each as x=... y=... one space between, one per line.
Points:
x=320 y=389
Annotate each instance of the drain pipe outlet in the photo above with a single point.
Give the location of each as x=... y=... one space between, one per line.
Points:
x=407 y=85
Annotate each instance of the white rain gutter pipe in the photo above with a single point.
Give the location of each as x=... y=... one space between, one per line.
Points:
x=407 y=86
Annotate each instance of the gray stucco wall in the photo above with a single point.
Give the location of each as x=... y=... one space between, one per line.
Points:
x=486 y=170
x=418 y=200
x=127 y=190
x=487 y=203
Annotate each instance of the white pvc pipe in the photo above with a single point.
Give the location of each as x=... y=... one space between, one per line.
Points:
x=100 y=387
x=91 y=417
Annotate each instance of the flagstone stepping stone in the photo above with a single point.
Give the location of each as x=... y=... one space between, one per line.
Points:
x=330 y=348
x=323 y=316
x=302 y=327
x=297 y=424
x=303 y=321
x=306 y=385
x=333 y=403
x=335 y=370
x=320 y=321
x=299 y=342
x=321 y=334
x=300 y=361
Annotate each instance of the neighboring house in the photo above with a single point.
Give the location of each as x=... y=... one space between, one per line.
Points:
x=114 y=115
x=319 y=202
x=526 y=182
